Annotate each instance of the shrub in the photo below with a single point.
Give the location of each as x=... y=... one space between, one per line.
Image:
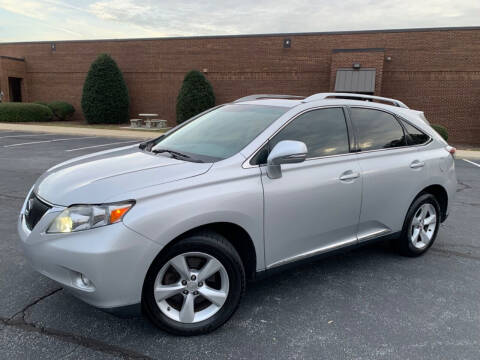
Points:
x=441 y=130
x=61 y=109
x=41 y=103
x=105 y=94
x=20 y=112
x=196 y=95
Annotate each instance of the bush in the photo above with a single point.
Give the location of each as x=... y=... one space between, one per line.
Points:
x=41 y=103
x=105 y=94
x=441 y=130
x=61 y=109
x=20 y=112
x=195 y=96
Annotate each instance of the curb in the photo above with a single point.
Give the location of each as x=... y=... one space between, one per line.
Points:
x=470 y=154
x=134 y=134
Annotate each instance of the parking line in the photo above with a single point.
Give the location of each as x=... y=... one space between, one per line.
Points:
x=471 y=162
x=96 y=146
x=47 y=141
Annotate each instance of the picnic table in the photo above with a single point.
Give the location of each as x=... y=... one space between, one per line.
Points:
x=149 y=122
x=148 y=116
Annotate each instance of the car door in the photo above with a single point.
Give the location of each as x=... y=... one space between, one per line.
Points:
x=392 y=171
x=314 y=206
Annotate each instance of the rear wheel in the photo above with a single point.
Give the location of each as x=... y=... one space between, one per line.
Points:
x=195 y=286
x=421 y=226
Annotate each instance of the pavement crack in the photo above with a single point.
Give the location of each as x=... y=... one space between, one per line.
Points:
x=462 y=186
x=64 y=356
x=455 y=253
x=18 y=320
x=22 y=312
x=467 y=203
x=83 y=341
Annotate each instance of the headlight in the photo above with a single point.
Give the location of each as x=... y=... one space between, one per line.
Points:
x=84 y=217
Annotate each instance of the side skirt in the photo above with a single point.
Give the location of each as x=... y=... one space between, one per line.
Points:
x=262 y=274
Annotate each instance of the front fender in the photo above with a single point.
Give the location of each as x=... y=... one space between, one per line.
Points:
x=237 y=199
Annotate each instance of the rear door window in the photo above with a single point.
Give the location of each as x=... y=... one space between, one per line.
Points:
x=377 y=129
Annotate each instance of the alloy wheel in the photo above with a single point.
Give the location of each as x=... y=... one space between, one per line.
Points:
x=191 y=287
x=422 y=227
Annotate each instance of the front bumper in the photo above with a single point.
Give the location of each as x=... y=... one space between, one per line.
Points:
x=114 y=258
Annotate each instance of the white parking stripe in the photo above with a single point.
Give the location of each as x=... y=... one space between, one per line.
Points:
x=471 y=162
x=47 y=141
x=95 y=146
x=11 y=136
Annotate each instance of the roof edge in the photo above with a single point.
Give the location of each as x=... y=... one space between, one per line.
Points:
x=458 y=28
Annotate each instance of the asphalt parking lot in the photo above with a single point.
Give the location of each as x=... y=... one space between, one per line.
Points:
x=368 y=303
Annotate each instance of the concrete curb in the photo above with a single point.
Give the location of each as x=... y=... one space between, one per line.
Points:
x=135 y=134
x=468 y=154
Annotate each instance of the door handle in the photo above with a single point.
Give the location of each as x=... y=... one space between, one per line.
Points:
x=417 y=164
x=349 y=175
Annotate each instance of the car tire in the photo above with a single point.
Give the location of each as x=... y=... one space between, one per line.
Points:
x=172 y=314
x=421 y=226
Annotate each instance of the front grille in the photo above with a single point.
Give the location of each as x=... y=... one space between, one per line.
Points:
x=34 y=210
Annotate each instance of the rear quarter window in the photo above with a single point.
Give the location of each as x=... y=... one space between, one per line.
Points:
x=414 y=135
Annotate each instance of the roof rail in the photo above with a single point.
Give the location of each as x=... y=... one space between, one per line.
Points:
x=269 y=96
x=321 y=96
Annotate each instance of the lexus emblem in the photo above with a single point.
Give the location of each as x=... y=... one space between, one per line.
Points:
x=29 y=206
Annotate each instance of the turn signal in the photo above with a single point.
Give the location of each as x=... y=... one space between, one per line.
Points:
x=117 y=214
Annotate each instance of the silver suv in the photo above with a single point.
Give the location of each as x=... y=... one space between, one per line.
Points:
x=179 y=223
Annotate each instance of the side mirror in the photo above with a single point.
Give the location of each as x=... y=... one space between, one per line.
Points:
x=285 y=152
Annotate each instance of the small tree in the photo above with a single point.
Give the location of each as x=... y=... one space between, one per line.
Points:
x=195 y=96
x=105 y=94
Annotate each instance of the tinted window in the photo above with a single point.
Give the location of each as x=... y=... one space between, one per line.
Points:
x=323 y=131
x=377 y=129
x=222 y=132
x=415 y=136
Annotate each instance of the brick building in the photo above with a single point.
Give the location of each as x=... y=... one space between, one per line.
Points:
x=435 y=70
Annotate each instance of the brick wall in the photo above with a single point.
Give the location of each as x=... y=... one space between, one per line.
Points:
x=437 y=71
x=12 y=67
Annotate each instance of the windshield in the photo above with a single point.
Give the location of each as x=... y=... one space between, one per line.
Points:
x=220 y=133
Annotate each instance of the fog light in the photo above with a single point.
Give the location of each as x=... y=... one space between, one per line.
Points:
x=85 y=281
x=80 y=281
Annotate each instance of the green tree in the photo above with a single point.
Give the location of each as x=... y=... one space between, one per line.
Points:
x=195 y=96
x=105 y=94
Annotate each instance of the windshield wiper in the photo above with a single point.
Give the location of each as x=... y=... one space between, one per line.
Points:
x=176 y=154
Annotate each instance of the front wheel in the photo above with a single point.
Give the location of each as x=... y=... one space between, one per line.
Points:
x=421 y=226
x=195 y=286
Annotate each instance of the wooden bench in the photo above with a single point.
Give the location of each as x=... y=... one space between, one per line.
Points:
x=136 y=123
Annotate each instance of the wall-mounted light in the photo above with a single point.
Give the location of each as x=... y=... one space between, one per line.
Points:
x=205 y=70
x=287 y=43
x=388 y=58
x=53 y=46
x=356 y=66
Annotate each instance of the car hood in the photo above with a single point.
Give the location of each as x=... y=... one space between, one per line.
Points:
x=95 y=178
